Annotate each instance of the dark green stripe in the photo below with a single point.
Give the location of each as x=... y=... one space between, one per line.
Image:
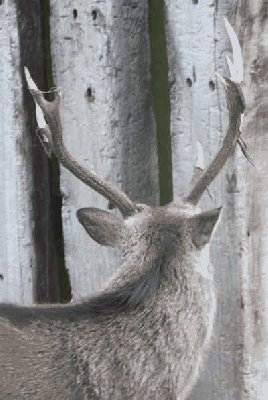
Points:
x=65 y=293
x=161 y=98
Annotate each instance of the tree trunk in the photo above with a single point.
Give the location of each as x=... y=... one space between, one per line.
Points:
x=16 y=250
x=197 y=44
x=100 y=55
x=252 y=203
x=28 y=269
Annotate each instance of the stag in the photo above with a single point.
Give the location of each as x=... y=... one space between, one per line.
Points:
x=145 y=334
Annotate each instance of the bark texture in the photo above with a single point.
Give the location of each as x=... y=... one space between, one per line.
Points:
x=197 y=44
x=17 y=253
x=252 y=201
x=46 y=285
x=100 y=53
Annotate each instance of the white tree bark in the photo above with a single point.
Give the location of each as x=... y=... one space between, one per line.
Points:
x=252 y=202
x=197 y=44
x=236 y=367
x=101 y=60
x=16 y=241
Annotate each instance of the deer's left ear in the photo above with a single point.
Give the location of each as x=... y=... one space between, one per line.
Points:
x=104 y=227
x=203 y=225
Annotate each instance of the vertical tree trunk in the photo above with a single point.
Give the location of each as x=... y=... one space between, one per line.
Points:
x=252 y=204
x=100 y=55
x=46 y=287
x=16 y=249
x=28 y=270
x=197 y=42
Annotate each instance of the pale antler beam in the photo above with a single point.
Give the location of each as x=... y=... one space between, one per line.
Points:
x=199 y=166
x=50 y=112
x=236 y=106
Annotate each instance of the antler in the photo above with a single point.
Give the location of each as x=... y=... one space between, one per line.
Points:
x=236 y=106
x=51 y=138
x=199 y=166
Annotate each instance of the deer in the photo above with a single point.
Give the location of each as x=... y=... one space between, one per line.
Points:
x=145 y=334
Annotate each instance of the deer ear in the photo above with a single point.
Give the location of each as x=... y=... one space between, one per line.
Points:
x=203 y=225
x=104 y=227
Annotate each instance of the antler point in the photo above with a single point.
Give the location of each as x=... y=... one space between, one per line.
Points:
x=30 y=82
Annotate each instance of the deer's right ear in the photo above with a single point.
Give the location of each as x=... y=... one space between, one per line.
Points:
x=104 y=227
x=203 y=225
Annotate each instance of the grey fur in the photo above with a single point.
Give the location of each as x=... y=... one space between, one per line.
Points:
x=142 y=338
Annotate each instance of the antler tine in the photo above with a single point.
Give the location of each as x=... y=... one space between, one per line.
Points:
x=52 y=138
x=236 y=67
x=236 y=106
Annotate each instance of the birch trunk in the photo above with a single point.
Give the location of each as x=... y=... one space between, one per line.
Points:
x=101 y=60
x=17 y=248
x=252 y=202
x=28 y=270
